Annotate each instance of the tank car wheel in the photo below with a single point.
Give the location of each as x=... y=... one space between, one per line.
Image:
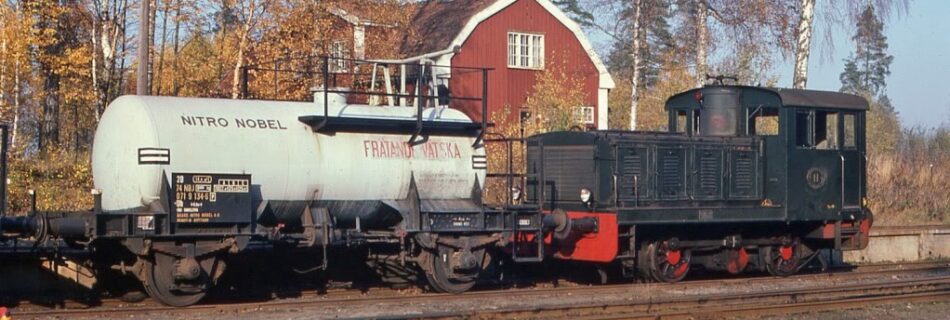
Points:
x=443 y=270
x=782 y=260
x=667 y=262
x=161 y=285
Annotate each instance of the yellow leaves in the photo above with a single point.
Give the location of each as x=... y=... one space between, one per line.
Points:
x=62 y=181
x=673 y=77
x=554 y=99
x=552 y=103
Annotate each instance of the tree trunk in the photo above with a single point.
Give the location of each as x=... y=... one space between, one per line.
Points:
x=161 y=53
x=152 y=15
x=250 y=19
x=94 y=66
x=16 y=102
x=141 y=83
x=175 y=61
x=3 y=72
x=803 y=46
x=702 y=41
x=635 y=78
x=125 y=50
x=239 y=64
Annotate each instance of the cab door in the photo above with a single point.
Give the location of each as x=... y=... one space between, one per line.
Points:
x=815 y=178
x=852 y=161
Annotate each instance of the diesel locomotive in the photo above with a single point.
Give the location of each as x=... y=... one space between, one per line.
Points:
x=746 y=177
x=743 y=176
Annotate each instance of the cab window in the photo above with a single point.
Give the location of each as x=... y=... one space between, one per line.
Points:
x=826 y=130
x=850 y=137
x=817 y=129
x=680 y=121
x=803 y=129
x=763 y=121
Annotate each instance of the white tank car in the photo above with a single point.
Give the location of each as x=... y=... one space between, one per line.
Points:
x=139 y=137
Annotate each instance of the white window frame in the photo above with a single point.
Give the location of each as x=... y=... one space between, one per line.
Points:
x=338 y=49
x=585 y=115
x=526 y=50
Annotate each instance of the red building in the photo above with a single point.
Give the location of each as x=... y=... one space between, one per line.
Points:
x=517 y=38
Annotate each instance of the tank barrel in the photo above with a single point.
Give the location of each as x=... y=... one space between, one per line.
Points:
x=19 y=225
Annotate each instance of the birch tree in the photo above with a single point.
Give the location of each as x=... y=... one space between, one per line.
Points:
x=251 y=12
x=803 y=43
x=702 y=40
x=636 y=58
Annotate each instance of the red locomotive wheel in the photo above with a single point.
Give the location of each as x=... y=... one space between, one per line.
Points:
x=782 y=260
x=667 y=264
x=737 y=259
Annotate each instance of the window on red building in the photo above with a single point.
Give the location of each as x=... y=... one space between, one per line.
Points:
x=525 y=50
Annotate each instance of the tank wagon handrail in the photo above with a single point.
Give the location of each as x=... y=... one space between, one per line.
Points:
x=427 y=93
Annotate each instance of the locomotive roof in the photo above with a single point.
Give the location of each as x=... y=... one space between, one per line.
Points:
x=788 y=97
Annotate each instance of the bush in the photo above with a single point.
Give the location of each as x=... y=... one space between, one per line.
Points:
x=911 y=185
x=62 y=181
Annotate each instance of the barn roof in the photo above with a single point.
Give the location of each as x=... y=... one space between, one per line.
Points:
x=441 y=25
x=437 y=23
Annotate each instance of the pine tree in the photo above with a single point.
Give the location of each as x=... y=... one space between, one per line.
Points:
x=866 y=71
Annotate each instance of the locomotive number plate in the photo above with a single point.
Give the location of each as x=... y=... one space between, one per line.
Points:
x=212 y=198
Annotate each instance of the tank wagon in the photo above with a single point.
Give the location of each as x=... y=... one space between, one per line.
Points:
x=182 y=184
x=744 y=176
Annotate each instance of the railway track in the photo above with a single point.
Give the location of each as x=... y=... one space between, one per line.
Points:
x=917 y=281
x=756 y=304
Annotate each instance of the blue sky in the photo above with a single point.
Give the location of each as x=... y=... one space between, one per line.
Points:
x=919 y=40
x=919 y=84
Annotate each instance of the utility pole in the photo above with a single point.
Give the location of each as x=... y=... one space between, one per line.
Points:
x=141 y=83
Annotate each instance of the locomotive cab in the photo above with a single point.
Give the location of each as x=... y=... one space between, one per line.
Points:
x=812 y=141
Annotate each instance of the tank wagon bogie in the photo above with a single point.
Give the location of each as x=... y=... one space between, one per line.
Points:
x=746 y=177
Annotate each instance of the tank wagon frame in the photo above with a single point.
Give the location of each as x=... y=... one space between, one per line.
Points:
x=178 y=242
x=744 y=176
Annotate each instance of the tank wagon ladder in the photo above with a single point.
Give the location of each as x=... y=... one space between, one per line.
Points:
x=526 y=222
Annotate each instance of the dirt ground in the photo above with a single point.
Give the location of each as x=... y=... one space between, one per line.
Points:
x=401 y=310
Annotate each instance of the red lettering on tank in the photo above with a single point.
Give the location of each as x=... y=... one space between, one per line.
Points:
x=458 y=154
x=398 y=149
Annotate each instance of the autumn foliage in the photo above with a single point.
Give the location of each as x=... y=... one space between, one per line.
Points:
x=551 y=106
